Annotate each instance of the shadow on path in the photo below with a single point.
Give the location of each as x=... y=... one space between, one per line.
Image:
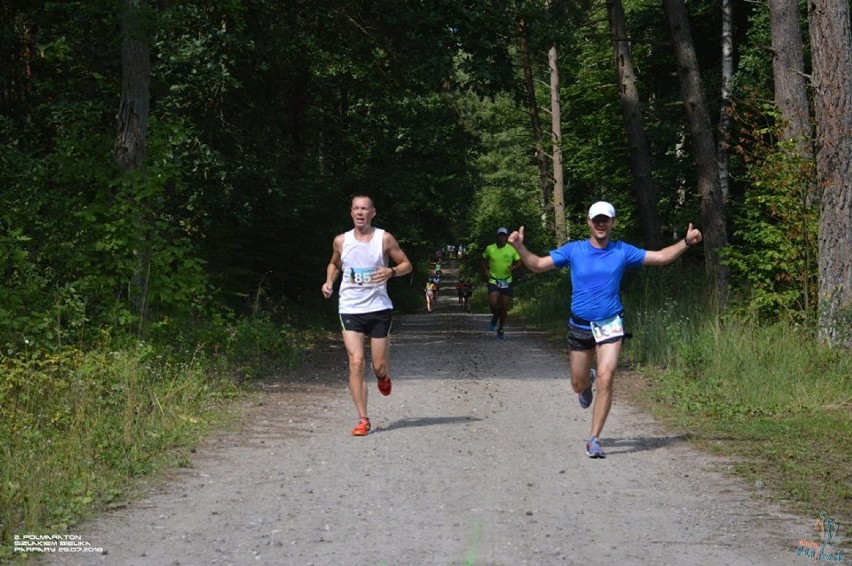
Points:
x=628 y=445
x=426 y=421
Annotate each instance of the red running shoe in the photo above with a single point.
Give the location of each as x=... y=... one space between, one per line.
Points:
x=385 y=385
x=363 y=427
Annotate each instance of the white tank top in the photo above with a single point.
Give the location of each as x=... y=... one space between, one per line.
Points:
x=359 y=261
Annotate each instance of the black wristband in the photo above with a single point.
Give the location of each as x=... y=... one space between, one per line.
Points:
x=685 y=241
x=393 y=272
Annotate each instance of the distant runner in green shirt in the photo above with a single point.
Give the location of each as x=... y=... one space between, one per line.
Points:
x=498 y=261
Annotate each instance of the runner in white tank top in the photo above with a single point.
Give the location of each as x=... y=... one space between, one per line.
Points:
x=362 y=255
x=360 y=292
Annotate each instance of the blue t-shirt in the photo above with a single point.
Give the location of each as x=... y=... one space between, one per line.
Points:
x=596 y=275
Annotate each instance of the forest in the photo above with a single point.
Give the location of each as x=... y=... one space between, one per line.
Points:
x=172 y=174
x=165 y=164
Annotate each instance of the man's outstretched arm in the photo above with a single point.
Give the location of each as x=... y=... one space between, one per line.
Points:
x=535 y=263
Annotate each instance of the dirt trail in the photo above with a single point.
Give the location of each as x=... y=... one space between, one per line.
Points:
x=477 y=459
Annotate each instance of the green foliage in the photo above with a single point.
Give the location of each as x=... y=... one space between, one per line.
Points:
x=253 y=347
x=774 y=253
x=663 y=314
x=508 y=194
x=748 y=388
x=754 y=69
x=47 y=236
x=74 y=426
x=724 y=368
x=73 y=232
x=769 y=391
x=265 y=118
x=545 y=299
x=595 y=157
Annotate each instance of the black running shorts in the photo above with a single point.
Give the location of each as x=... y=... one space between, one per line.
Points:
x=373 y=324
x=507 y=291
x=580 y=339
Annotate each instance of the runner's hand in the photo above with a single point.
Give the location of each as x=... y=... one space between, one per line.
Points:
x=693 y=235
x=517 y=237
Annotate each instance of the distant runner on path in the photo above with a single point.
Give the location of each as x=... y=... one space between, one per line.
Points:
x=498 y=262
x=596 y=320
x=431 y=295
x=361 y=254
x=467 y=293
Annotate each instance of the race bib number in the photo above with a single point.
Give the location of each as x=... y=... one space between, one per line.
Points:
x=502 y=283
x=362 y=275
x=606 y=329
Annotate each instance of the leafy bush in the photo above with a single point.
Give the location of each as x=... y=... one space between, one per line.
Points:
x=74 y=426
x=774 y=253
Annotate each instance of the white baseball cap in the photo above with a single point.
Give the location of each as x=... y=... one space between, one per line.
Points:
x=602 y=207
x=502 y=230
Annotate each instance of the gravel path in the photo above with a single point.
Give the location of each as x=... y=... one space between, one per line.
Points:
x=477 y=458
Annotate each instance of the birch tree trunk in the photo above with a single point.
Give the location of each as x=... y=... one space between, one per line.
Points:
x=561 y=232
x=831 y=43
x=724 y=114
x=631 y=111
x=540 y=156
x=713 y=220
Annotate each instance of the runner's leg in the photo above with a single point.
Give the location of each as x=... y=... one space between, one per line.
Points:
x=505 y=303
x=607 y=362
x=581 y=363
x=354 y=342
x=380 y=351
x=494 y=304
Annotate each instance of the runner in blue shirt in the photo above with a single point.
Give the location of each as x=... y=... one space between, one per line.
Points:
x=595 y=324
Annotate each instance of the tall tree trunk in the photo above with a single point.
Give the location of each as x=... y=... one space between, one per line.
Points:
x=788 y=67
x=631 y=111
x=540 y=156
x=131 y=139
x=19 y=55
x=560 y=228
x=791 y=100
x=724 y=114
x=130 y=144
x=831 y=43
x=703 y=148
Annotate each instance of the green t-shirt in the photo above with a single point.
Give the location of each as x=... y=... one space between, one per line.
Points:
x=499 y=260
